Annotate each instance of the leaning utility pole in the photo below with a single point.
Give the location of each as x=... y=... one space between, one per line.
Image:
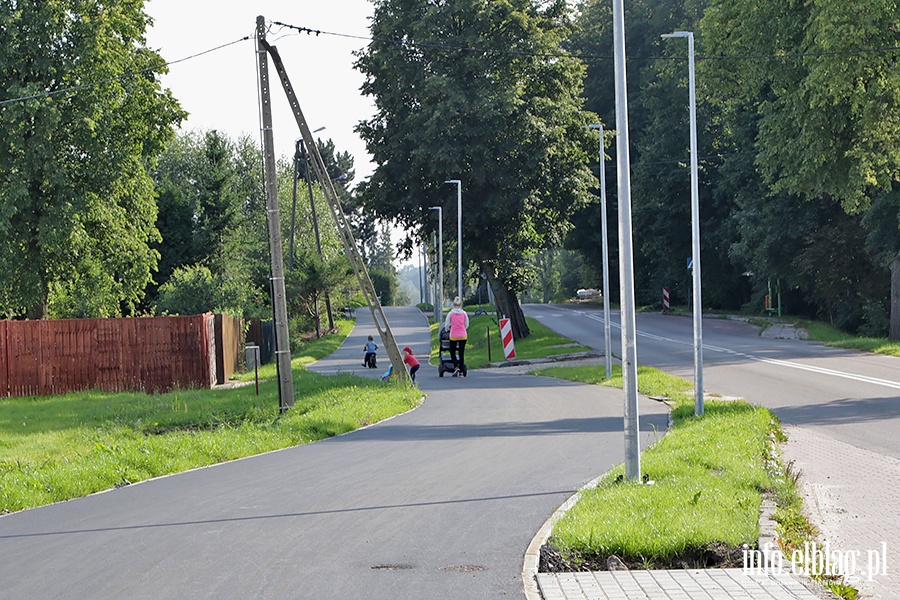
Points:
x=340 y=220
x=279 y=299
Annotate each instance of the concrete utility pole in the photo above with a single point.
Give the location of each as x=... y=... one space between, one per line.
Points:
x=626 y=253
x=334 y=205
x=279 y=299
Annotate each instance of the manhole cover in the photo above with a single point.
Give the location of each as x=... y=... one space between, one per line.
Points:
x=399 y=567
x=464 y=568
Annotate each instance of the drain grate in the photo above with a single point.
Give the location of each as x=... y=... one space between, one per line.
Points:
x=397 y=567
x=464 y=568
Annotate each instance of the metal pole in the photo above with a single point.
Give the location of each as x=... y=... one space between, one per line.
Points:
x=434 y=280
x=425 y=272
x=440 y=301
x=421 y=278
x=312 y=206
x=695 y=229
x=626 y=253
x=607 y=337
x=459 y=277
x=279 y=300
x=315 y=220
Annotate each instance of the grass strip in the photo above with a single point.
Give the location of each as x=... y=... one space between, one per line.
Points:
x=709 y=475
x=542 y=342
x=834 y=337
x=55 y=448
x=307 y=352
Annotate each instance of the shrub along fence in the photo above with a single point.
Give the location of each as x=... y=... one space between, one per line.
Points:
x=151 y=354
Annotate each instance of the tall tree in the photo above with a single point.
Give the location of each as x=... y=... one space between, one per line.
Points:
x=481 y=92
x=77 y=210
x=820 y=80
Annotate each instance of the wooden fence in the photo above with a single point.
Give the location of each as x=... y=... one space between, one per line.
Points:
x=229 y=333
x=151 y=354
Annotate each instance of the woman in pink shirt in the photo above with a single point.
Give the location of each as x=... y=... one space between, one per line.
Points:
x=457 y=322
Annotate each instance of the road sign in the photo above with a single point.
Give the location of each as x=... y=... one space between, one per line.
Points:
x=509 y=348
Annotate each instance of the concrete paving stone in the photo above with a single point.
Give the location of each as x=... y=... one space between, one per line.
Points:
x=711 y=584
x=851 y=495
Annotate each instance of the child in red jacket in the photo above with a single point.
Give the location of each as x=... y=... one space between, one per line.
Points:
x=412 y=361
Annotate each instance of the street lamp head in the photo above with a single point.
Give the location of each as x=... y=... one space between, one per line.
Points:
x=678 y=34
x=434 y=208
x=456 y=181
x=594 y=126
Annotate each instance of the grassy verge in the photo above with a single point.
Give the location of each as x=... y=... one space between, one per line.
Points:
x=832 y=336
x=309 y=352
x=61 y=447
x=542 y=342
x=709 y=475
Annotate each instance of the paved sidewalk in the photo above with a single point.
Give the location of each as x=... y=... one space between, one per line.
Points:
x=852 y=495
x=701 y=584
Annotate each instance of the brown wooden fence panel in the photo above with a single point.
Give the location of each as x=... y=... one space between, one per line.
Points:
x=24 y=354
x=4 y=359
x=152 y=354
x=228 y=346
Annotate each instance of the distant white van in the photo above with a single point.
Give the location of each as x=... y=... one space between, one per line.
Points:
x=588 y=294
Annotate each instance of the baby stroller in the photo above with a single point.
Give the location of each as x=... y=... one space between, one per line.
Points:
x=445 y=364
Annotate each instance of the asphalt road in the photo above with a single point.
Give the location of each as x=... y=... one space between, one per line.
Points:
x=849 y=395
x=440 y=502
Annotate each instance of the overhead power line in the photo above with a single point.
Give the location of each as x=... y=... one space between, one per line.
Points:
x=587 y=57
x=152 y=69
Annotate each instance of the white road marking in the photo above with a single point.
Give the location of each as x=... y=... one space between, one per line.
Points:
x=772 y=361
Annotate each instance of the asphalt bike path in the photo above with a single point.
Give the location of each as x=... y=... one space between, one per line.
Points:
x=440 y=502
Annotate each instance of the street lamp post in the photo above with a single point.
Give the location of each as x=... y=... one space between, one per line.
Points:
x=439 y=303
x=459 y=285
x=603 y=232
x=626 y=253
x=695 y=228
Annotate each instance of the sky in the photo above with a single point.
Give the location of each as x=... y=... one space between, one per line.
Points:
x=220 y=89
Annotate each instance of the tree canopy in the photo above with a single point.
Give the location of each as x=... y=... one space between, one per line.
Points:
x=83 y=122
x=481 y=92
x=812 y=91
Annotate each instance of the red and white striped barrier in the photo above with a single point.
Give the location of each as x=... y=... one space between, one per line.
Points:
x=509 y=349
x=666 y=305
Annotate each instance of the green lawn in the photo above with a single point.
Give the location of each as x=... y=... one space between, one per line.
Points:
x=55 y=448
x=310 y=351
x=832 y=336
x=542 y=342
